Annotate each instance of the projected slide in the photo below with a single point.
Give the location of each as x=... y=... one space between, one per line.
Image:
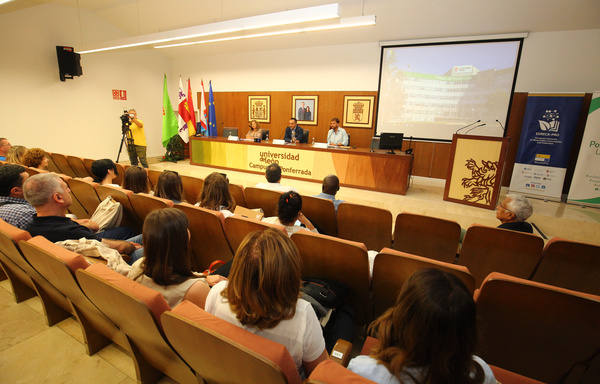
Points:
x=430 y=91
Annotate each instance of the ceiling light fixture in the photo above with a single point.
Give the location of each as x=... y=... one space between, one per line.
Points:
x=302 y=15
x=349 y=22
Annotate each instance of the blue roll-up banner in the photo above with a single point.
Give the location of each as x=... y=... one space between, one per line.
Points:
x=545 y=146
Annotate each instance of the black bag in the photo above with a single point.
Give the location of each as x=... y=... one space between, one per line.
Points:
x=323 y=295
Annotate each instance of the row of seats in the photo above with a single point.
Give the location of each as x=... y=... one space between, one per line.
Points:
x=540 y=331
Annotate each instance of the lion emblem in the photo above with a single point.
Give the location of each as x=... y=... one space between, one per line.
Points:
x=481 y=182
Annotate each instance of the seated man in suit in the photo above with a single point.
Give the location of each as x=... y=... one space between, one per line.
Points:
x=513 y=211
x=293 y=133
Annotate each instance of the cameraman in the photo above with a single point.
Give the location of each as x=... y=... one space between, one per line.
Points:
x=139 y=140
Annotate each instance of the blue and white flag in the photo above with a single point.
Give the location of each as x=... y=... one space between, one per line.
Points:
x=212 y=116
x=545 y=146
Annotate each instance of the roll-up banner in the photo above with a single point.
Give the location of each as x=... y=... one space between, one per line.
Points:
x=585 y=187
x=545 y=146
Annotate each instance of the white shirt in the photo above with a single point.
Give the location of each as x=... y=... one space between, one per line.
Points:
x=369 y=368
x=274 y=187
x=290 y=229
x=226 y=212
x=339 y=137
x=301 y=335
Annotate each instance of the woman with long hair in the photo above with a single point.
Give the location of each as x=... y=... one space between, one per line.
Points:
x=255 y=132
x=136 y=180
x=166 y=265
x=289 y=214
x=169 y=186
x=262 y=296
x=215 y=195
x=15 y=154
x=427 y=337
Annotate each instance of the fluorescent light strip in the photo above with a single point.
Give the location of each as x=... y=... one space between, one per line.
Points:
x=349 y=22
x=302 y=15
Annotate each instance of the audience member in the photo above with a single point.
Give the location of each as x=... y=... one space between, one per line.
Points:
x=428 y=336
x=289 y=214
x=15 y=154
x=104 y=172
x=262 y=297
x=513 y=211
x=215 y=195
x=169 y=186
x=293 y=132
x=336 y=135
x=166 y=265
x=273 y=175
x=331 y=185
x=254 y=132
x=4 y=148
x=50 y=196
x=36 y=158
x=14 y=209
x=136 y=180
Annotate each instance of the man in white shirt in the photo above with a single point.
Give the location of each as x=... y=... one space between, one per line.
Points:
x=336 y=135
x=273 y=175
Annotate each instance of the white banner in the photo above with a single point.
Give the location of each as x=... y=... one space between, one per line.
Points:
x=585 y=187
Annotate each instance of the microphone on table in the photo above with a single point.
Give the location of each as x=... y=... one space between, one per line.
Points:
x=468 y=125
x=477 y=126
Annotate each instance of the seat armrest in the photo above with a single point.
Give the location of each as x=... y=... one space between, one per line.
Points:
x=341 y=352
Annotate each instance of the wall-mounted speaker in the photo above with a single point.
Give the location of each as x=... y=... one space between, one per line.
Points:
x=69 y=63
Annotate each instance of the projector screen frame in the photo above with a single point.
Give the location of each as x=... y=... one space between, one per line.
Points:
x=520 y=39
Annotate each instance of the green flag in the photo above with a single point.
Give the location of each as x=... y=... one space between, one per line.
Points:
x=169 y=120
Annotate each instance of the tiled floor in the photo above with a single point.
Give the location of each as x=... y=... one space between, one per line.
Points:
x=32 y=352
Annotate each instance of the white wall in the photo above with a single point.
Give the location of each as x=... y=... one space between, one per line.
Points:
x=76 y=116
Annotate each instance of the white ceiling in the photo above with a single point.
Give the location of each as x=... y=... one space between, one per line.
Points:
x=396 y=19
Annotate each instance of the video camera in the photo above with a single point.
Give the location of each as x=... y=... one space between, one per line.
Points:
x=125 y=122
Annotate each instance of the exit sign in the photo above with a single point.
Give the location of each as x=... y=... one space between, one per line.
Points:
x=119 y=94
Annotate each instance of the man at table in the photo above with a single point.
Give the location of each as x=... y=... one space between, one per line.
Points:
x=293 y=133
x=336 y=135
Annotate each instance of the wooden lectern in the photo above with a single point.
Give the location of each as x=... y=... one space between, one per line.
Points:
x=475 y=170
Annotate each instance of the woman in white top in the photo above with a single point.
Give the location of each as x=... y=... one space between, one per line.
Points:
x=166 y=265
x=262 y=293
x=289 y=214
x=215 y=195
x=429 y=336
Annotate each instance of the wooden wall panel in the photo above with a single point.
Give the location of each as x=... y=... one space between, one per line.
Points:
x=513 y=131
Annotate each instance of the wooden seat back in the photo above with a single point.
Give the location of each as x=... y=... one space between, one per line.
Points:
x=487 y=249
x=120 y=174
x=237 y=227
x=262 y=198
x=237 y=192
x=121 y=195
x=144 y=203
x=77 y=165
x=537 y=330
x=192 y=188
x=62 y=164
x=86 y=194
x=153 y=175
x=427 y=236
x=368 y=225
x=321 y=213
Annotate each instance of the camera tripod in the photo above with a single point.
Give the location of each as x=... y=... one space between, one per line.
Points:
x=126 y=138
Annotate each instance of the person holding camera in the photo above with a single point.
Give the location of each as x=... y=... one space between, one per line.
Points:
x=139 y=140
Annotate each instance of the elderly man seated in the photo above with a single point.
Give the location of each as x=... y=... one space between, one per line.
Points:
x=513 y=211
x=50 y=196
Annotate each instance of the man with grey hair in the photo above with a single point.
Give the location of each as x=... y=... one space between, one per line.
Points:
x=50 y=196
x=513 y=211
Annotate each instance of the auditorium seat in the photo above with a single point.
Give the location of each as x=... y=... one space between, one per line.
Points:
x=136 y=310
x=153 y=177
x=221 y=352
x=120 y=174
x=392 y=268
x=33 y=171
x=62 y=164
x=343 y=261
x=208 y=240
x=25 y=280
x=237 y=227
x=330 y=372
x=537 y=330
x=369 y=225
x=86 y=194
x=52 y=167
x=486 y=249
x=237 y=192
x=321 y=213
x=427 y=236
x=144 y=203
x=192 y=188
x=507 y=377
x=571 y=265
x=58 y=266
x=88 y=165
x=76 y=208
x=77 y=165
x=265 y=199
x=121 y=195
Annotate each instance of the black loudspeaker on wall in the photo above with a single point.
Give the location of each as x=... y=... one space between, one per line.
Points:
x=69 y=63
